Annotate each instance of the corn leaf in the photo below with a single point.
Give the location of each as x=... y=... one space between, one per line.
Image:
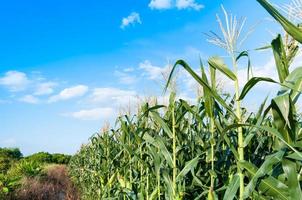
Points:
x=217 y=63
x=268 y=186
x=280 y=58
x=290 y=169
x=232 y=188
x=290 y=28
x=202 y=83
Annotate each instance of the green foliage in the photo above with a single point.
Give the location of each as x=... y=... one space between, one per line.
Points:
x=60 y=158
x=26 y=168
x=14 y=168
x=41 y=157
x=13 y=153
x=7 y=157
x=44 y=157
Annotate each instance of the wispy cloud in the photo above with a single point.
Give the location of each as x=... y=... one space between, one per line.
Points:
x=15 y=81
x=112 y=96
x=133 y=18
x=18 y=82
x=187 y=4
x=93 y=114
x=160 y=4
x=29 y=99
x=45 y=88
x=151 y=71
x=69 y=93
x=179 y=4
x=126 y=76
x=105 y=103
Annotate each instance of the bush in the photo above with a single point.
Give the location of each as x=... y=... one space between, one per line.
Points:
x=26 y=168
x=41 y=157
x=8 y=156
x=60 y=158
x=12 y=153
x=44 y=157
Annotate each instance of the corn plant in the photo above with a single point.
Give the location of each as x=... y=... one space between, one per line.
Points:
x=212 y=149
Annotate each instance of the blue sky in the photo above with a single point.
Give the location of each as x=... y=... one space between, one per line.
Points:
x=67 y=67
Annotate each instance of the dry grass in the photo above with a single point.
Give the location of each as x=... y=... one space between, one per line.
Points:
x=55 y=185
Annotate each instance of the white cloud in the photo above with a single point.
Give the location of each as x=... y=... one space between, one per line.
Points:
x=112 y=96
x=151 y=71
x=45 y=88
x=185 y=4
x=179 y=4
x=125 y=77
x=160 y=4
x=107 y=103
x=133 y=18
x=130 y=69
x=93 y=114
x=15 y=81
x=69 y=93
x=29 y=99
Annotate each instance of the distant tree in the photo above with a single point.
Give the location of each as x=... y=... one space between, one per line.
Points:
x=45 y=157
x=60 y=158
x=13 y=153
x=8 y=156
x=40 y=157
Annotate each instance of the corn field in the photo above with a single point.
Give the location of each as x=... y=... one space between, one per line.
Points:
x=214 y=149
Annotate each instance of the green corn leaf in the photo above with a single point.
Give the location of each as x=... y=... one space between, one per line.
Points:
x=263 y=48
x=217 y=63
x=294 y=81
x=280 y=58
x=270 y=130
x=123 y=182
x=294 y=156
x=202 y=83
x=248 y=138
x=164 y=151
x=188 y=167
x=208 y=100
x=290 y=28
x=265 y=168
x=213 y=77
x=249 y=67
x=168 y=183
x=191 y=110
x=251 y=83
x=232 y=188
x=290 y=169
x=283 y=117
x=296 y=89
x=162 y=123
x=158 y=142
x=268 y=186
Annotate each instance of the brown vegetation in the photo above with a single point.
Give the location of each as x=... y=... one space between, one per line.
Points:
x=55 y=185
